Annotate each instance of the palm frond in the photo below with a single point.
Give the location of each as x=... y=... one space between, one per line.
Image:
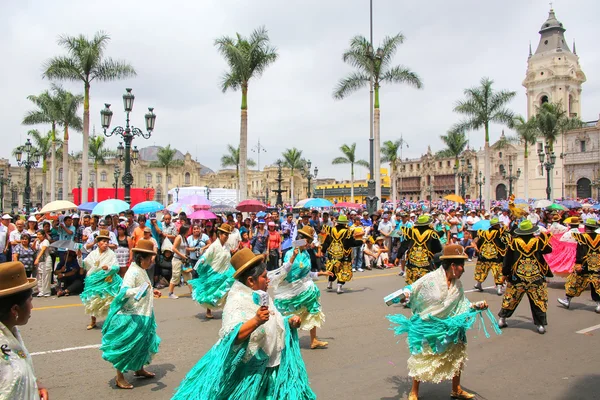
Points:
x=340 y=160
x=362 y=163
x=110 y=70
x=350 y=84
x=401 y=74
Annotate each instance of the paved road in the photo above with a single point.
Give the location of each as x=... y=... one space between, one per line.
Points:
x=364 y=360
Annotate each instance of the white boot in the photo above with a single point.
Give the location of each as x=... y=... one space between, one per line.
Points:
x=499 y=290
x=339 y=289
x=330 y=286
x=541 y=330
x=478 y=286
x=502 y=322
x=598 y=307
x=566 y=302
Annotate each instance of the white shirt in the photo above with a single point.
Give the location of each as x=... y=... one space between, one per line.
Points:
x=472 y=220
x=3 y=234
x=17 y=377
x=234 y=239
x=534 y=218
x=505 y=219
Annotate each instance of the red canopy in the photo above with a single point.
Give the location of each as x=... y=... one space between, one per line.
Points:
x=346 y=204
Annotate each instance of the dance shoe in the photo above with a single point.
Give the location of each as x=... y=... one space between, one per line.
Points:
x=502 y=323
x=317 y=344
x=330 y=286
x=339 y=289
x=598 y=307
x=541 y=330
x=413 y=396
x=461 y=394
x=499 y=290
x=566 y=302
x=478 y=286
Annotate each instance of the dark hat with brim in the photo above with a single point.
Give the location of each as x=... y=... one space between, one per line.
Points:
x=454 y=251
x=225 y=228
x=103 y=234
x=307 y=232
x=526 y=228
x=144 y=246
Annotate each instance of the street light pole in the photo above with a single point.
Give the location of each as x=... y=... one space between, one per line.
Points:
x=32 y=161
x=309 y=176
x=207 y=191
x=128 y=133
x=3 y=181
x=480 y=182
x=548 y=165
x=79 y=178
x=279 y=200
x=116 y=174
x=462 y=173
x=177 y=194
x=511 y=178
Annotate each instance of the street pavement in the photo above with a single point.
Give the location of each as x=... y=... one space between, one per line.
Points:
x=364 y=359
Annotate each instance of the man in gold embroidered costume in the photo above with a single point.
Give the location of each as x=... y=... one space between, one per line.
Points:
x=526 y=270
x=420 y=244
x=491 y=245
x=586 y=271
x=338 y=242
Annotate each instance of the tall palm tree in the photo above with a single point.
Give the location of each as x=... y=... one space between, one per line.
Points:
x=527 y=135
x=85 y=62
x=99 y=154
x=456 y=142
x=247 y=58
x=292 y=159
x=350 y=158
x=376 y=67
x=552 y=120
x=44 y=146
x=68 y=118
x=232 y=159
x=166 y=159
x=482 y=106
x=46 y=112
x=389 y=153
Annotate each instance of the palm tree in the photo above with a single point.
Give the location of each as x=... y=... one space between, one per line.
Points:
x=247 y=58
x=166 y=159
x=68 y=117
x=232 y=159
x=456 y=142
x=389 y=153
x=43 y=145
x=552 y=120
x=292 y=159
x=99 y=154
x=527 y=135
x=47 y=104
x=350 y=158
x=85 y=61
x=375 y=67
x=482 y=106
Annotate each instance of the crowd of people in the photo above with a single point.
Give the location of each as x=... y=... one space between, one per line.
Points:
x=119 y=263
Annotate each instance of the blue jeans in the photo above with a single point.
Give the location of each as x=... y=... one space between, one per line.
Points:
x=2 y=258
x=357 y=257
x=470 y=252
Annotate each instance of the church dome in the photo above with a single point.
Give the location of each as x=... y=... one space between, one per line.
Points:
x=552 y=23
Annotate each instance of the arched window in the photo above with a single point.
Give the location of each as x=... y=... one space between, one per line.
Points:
x=92 y=176
x=59 y=196
x=60 y=175
x=499 y=154
x=148 y=178
x=186 y=178
x=103 y=176
x=158 y=195
x=571 y=105
x=40 y=193
x=544 y=99
x=158 y=177
x=501 y=168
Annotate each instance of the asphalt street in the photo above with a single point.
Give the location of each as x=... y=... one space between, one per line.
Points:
x=364 y=359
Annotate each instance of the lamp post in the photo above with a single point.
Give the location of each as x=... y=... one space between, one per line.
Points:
x=462 y=173
x=510 y=175
x=207 y=191
x=127 y=133
x=309 y=176
x=430 y=190
x=480 y=182
x=279 y=201
x=3 y=181
x=116 y=174
x=33 y=158
x=176 y=194
x=550 y=160
x=79 y=178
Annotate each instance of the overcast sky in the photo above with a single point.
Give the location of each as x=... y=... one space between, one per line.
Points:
x=450 y=44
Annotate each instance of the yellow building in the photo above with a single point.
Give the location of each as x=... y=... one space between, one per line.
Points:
x=340 y=190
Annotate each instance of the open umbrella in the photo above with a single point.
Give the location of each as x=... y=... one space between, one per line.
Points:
x=89 y=206
x=251 y=206
x=571 y=204
x=542 y=203
x=596 y=207
x=347 y=204
x=261 y=214
x=146 y=207
x=68 y=245
x=318 y=203
x=58 y=205
x=301 y=203
x=178 y=207
x=202 y=214
x=456 y=198
x=484 y=224
x=222 y=208
x=556 y=207
x=111 y=206
x=196 y=201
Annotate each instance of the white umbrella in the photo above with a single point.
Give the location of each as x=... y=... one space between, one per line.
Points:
x=58 y=205
x=542 y=203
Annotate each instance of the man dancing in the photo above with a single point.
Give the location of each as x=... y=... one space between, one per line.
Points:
x=492 y=248
x=526 y=271
x=338 y=242
x=420 y=245
x=586 y=271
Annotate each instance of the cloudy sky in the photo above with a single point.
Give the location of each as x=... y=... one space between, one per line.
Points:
x=451 y=45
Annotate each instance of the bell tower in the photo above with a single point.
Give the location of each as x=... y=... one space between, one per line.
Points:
x=553 y=71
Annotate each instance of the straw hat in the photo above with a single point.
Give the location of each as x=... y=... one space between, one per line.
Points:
x=13 y=278
x=454 y=251
x=225 y=228
x=103 y=234
x=144 y=246
x=526 y=228
x=308 y=232
x=244 y=259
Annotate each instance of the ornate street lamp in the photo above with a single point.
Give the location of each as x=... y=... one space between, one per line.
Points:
x=465 y=170
x=33 y=158
x=550 y=158
x=176 y=194
x=279 y=200
x=3 y=181
x=128 y=133
x=309 y=176
x=510 y=175
x=480 y=182
x=207 y=191
x=116 y=174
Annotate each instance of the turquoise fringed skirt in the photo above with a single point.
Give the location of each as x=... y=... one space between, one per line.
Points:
x=128 y=341
x=210 y=288
x=100 y=288
x=309 y=300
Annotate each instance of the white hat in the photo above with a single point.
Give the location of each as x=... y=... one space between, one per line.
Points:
x=6 y=216
x=32 y=219
x=413 y=215
x=487 y=214
x=75 y=216
x=352 y=212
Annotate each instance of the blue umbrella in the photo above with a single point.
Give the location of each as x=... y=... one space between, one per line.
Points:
x=261 y=214
x=596 y=207
x=484 y=224
x=520 y=201
x=571 y=204
x=318 y=203
x=146 y=207
x=89 y=206
x=112 y=206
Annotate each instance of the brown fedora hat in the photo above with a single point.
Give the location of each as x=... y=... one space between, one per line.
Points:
x=13 y=278
x=225 y=228
x=308 y=232
x=244 y=259
x=453 y=251
x=144 y=246
x=103 y=234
